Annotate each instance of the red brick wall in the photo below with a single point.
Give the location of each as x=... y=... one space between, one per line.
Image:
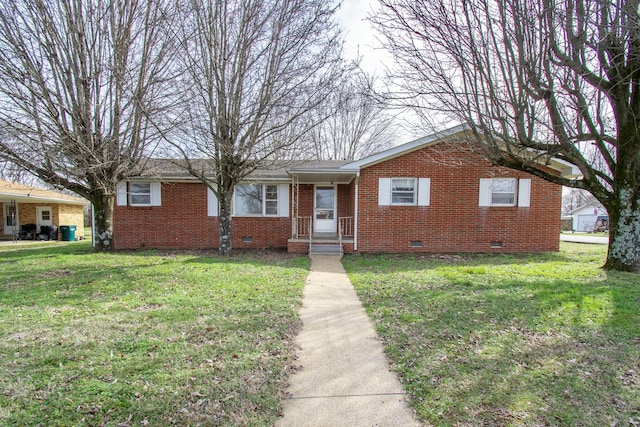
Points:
x=454 y=222
x=346 y=198
x=182 y=222
x=305 y=200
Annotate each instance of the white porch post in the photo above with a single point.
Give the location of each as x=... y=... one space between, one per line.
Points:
x=355 y=215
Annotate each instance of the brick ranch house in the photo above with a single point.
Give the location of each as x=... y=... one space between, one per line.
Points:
x=435 y=194
x=22 y=204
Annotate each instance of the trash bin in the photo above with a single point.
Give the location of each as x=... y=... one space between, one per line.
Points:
x=68 y=233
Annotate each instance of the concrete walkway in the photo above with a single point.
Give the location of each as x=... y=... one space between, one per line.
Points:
x=344 y=378
x=20 y=243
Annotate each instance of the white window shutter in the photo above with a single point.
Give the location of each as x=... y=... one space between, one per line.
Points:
x=484 y=196
x=424 y=191
x=121 y=194
x=384 y=191
x=156 y=198
x=212 y=203
x=524 y=193
x=283 y=200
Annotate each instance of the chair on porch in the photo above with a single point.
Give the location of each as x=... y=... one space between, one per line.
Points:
x=48 y=232
x=28 y=232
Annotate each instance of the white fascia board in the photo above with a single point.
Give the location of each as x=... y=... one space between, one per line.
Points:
x=568 y=170
x=40 y=199
x=339 y=169
x=404 y=148
x=193 y=179
x=262 y=180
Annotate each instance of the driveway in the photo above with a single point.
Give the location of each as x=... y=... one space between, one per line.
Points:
x=584 y=238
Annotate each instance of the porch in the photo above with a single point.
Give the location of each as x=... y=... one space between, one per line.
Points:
x=324 y=216
x=304 y=240
x=27 y=211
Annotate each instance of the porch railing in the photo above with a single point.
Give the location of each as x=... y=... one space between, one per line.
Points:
x=303 y=227
x=346 y=226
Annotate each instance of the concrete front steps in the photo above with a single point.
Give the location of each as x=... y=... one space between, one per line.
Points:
x=325 y=249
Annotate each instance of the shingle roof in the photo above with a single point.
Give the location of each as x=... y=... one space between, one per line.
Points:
x=23 y=192
x=175 y=168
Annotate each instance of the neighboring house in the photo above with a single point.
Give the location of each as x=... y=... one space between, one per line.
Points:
x=585 y=217
x=435 y=194
x=22 y=204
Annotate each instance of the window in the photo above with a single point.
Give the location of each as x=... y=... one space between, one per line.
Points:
x=45 y=215
x=256 y=200
x=403 y=191
x=503 y=191
x=11 y=214
x=140 y=194
x=271 y=199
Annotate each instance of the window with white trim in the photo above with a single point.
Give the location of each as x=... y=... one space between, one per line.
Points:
x=139 y=194
x=403 y=191
x=503 y=192
x=256 y=200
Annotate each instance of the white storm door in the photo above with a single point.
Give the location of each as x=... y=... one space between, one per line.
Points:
x=324 y=217
x=43 y=216
x=10 y=218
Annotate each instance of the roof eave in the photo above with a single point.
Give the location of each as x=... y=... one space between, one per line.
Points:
x=404 y=148
x=39 y=199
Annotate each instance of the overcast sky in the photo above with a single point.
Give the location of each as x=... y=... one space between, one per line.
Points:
x=361 y=39
x=359 y=35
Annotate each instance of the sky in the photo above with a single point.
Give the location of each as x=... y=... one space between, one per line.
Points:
x=360 y=37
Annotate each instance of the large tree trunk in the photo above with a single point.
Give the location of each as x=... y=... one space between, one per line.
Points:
x=103 y=222
x=225 y=225
x=624 y=232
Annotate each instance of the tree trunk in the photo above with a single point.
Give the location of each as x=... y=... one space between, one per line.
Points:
x=624 y=232
x=103 y=222
x=225 y=224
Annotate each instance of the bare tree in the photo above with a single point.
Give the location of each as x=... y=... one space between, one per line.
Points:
x=535 y=80
x=255 y=69
x=576 y=198
x=360 y=125
x=79 y=81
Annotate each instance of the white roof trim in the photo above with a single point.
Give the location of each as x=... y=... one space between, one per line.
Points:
x=567 y=169
x=40 y=199
x=593 y=204
x=404 y=148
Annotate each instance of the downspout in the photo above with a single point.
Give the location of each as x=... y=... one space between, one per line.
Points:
x=355 y=216
x=93 y=226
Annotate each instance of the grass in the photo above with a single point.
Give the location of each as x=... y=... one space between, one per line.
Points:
x=509 y=340
x=144 y=338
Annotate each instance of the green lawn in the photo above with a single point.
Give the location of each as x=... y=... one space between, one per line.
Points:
x=508 y=340
x=144 y=338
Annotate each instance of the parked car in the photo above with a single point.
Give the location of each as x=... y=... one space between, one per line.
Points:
x=601 y=224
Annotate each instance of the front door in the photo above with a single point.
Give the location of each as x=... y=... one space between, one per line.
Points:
x=43 y=216
x=324 y=220
x=10 y=215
